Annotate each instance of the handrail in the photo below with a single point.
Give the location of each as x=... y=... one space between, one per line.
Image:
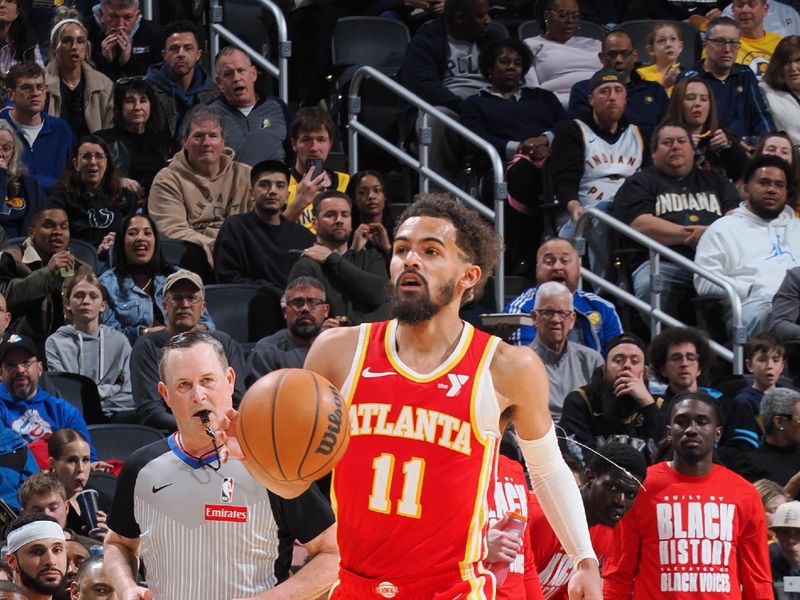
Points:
x=281 y=71
x=356 y=128
x=147 y=10
x=657 y=316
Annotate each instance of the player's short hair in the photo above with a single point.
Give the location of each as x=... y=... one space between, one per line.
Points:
x=189 y=339
x=40 y=484
x=626 y=456
x=302 y=282
x=322 y=196
x=769 y=160
x=37 y=216
x=763 y=342
x=269 y=166
x=671 y=336
x=700 y=397
x=478 y=242
x=87 y=565
x=777 y=402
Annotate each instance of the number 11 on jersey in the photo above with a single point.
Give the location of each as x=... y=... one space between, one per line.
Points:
x=413 y=471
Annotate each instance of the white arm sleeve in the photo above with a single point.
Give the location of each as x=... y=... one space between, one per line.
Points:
x=558 y=494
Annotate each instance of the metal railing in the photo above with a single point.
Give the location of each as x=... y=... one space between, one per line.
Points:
x=281 y=70
x=657 y=316
x=427 y=111
x=147 y=10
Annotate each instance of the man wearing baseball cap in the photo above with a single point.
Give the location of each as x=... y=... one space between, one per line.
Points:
x=25 y=407
x=184 y=303
x=37 y=554
x=592 y=156
x=784 y=556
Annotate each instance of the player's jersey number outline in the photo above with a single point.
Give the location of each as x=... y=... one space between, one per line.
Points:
x=413 y=471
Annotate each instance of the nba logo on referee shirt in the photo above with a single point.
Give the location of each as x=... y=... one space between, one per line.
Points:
x=226 y=493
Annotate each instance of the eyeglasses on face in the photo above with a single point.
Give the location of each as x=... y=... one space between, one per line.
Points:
x=551 y=313
x=299 y=303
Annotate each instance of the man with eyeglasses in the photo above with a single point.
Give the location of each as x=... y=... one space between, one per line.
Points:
x=740 y=105
x=47 y=140
x=184 y=304
x=206 y=527
x=306 y=313
x=647 y=100
x=568 y=365
x=681 y=358
x=25 y=407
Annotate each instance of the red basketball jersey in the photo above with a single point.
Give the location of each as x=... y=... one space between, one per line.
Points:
x=411 y=491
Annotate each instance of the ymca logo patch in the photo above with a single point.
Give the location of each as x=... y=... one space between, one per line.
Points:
x=230 y=514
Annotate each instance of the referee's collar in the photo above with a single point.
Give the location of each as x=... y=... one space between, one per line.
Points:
x=193 y=462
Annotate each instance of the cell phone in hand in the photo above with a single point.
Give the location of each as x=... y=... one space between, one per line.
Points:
x=316 y=166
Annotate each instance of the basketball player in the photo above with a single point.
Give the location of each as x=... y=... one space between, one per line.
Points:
x=428 y=396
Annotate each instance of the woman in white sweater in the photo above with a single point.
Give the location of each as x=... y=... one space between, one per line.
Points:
x=781 y=86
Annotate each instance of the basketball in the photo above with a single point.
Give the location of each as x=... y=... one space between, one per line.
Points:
x=293 y=426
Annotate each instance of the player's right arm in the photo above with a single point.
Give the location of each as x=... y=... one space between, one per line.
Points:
x=332 y=354
x=121 y=560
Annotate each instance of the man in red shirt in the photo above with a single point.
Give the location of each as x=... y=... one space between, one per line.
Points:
x=698 y=531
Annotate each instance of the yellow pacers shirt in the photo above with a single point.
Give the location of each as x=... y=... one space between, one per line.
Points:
x=757 y=52
x=339 y=183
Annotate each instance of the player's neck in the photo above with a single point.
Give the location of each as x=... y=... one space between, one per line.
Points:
x=699 y=469
x=424 y=346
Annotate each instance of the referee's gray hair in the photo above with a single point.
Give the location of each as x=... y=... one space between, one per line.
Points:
x=189 y=339
x=552 y=289
x=778 y=401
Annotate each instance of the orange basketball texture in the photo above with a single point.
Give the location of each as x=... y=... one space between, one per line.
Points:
x=293 y=426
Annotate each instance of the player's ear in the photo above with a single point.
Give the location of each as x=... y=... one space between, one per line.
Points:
x=471 y=276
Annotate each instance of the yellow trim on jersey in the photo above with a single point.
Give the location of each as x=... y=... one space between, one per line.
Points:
x=359 y=356
x=398 y=365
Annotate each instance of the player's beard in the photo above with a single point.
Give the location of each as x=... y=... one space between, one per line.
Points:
x=414 y=310
x=43 y=587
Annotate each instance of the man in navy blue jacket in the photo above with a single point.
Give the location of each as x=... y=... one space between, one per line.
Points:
x=740 y=105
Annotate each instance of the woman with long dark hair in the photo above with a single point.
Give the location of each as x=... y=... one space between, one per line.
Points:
x=373 y=223
x=91 y=193
x=17 y=39
x=135 y=284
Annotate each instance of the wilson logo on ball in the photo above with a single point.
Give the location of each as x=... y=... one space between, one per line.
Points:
x=328 y=441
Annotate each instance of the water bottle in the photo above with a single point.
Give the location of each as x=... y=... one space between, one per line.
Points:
x=515 y=523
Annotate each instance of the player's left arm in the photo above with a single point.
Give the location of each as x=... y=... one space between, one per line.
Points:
x=520 y=380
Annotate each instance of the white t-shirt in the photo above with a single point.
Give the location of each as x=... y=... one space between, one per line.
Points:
x=462 y=76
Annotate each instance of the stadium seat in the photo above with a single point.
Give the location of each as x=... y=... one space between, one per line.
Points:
x=86 y=253
x=186 y=255
x=106 y=485
x=245 y=312
x=372 y=41
x=119 y=441
x=587 y=29
x=78 y=390
x=639 y=31
x=251 y=23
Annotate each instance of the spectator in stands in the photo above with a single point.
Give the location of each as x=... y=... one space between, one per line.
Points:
x=5 y=317
x=772 y=496
x=261 y=246
x=717 y=148
x=673 y=202
x=47 y=140
x=777 y=457
x=591 y=159
x=568 y=366
x=681 y=358
x=37 y=554
x=139 y=149
x=647 y=541
x=616 y=403
x=780 y=144
x=256 y=126
x=781 y=86
x=135 y=284
x=312 y=137
x=28 y=409
x=31 y=276
x=645 y=102
x=22 y=194
x=754 y=246
x=17 y=39
x=596 y=318
x=782 y=18
x=10 y=590
x=613 y=480
x=756 y=43
x=740 y=105
x=91 y=193
x=77 y=554
x=17 y=464
x=79 y=94
x=202 y=186
x=183 y=304
x=306 y=313
x=180 y=81
x=69 y=461
x=93 y=579
x=354 y=278
x=785 y=318
x=88 y=348
x=764 y=357
x=123 y=44
x=664 y=45
x=561 y=58
x=784 y=556
x=519 y=122
x=44 y=493
x=372 y=217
